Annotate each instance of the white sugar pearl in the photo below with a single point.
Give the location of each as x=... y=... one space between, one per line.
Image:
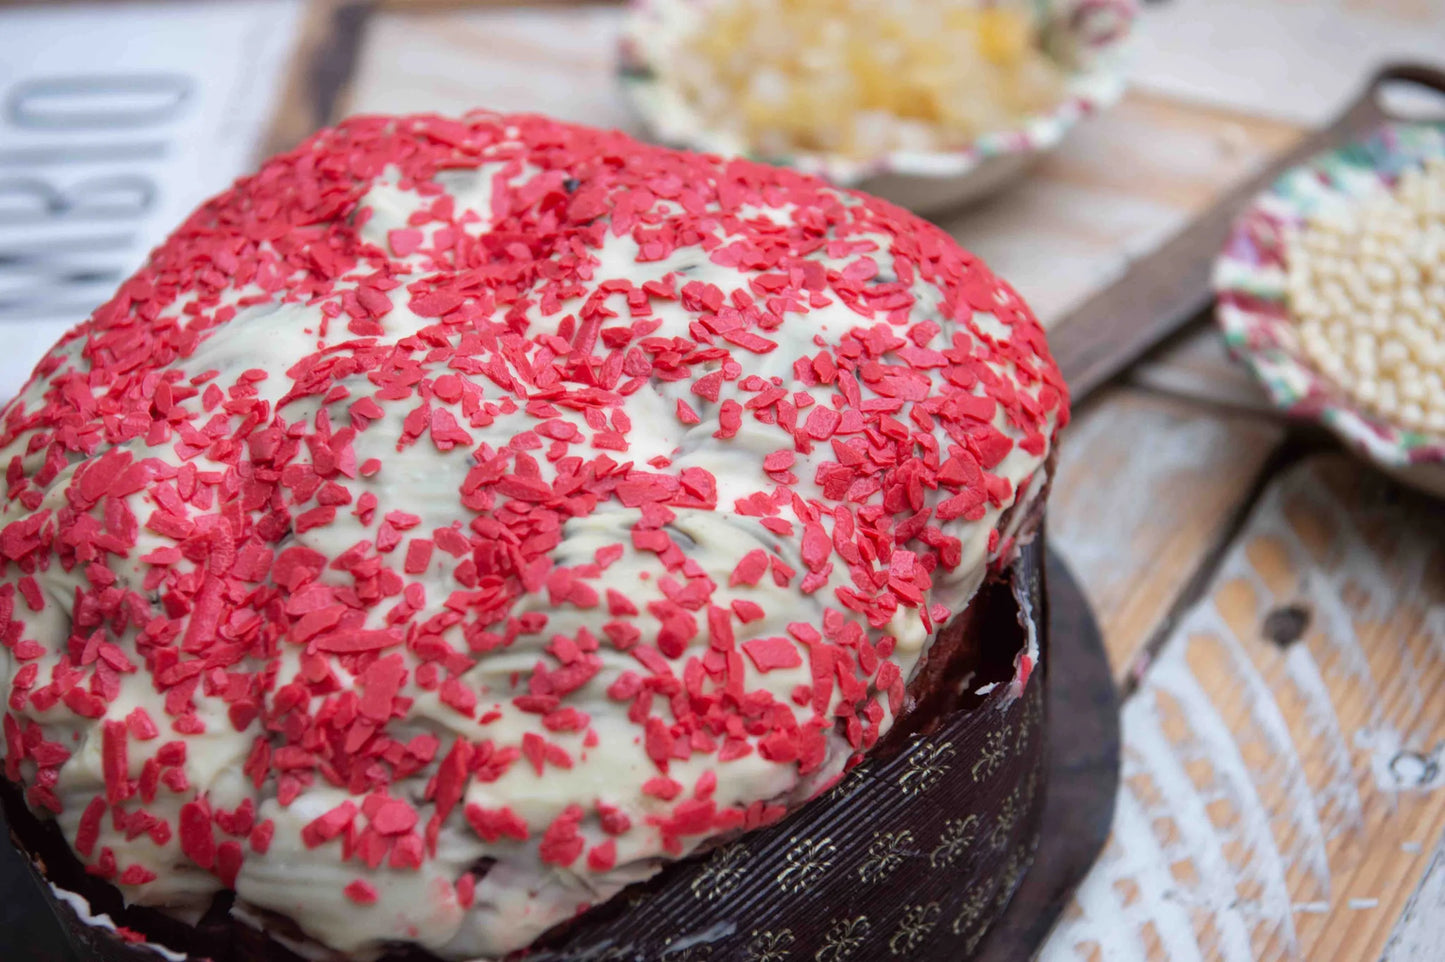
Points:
x=1366 y=286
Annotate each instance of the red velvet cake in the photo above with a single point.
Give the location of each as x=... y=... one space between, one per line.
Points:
x=458 y=522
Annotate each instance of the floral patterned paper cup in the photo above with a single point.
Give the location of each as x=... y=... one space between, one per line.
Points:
x=1085 y=36
x=1250 y=286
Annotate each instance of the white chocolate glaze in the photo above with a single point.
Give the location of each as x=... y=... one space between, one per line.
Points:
x=386 y=552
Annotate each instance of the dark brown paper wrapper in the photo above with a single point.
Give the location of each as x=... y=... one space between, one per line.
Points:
x=912 y=855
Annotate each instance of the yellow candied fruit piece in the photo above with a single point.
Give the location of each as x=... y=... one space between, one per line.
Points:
x=865 y=76
x=1003 y=35
x=961 y=20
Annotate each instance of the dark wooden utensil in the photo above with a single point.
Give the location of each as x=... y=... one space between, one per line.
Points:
x=1161 y=292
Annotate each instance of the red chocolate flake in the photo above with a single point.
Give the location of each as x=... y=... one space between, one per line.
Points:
x=261 y=836
x=228 y=863
x=466 y=890
x=326 y=827
x=686 y=414
x=137 y=875
x=172 y=753
x=361 y=892
x=749 y=570
x=708 y=386
x=30 y=591
x=619 y=604
x=114 y=764
x=659 y=742
x=495 y=824
x=730 y=419
x=352 y=642
x=614 y=821
x=404 y=241
x=534 y=748
x=418 y=556
x=561 y=842
x=778 y=461
x=105 y=866
x=747 y=611
x=315 y=518
x=768 y=654
x=197 y=839
x=89 y=831
x=602 y=857
x=140 y=725
x=817 y=546
x=394 y=817
x=662 y=787
x=822 y=422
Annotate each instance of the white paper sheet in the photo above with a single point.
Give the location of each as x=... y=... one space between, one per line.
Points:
x=116 y=120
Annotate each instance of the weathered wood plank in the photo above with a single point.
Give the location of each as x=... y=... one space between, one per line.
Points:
x=1197 y=367
x=1282 y=787
x=1418 y=934
x=553 y=58
x=1145 y=487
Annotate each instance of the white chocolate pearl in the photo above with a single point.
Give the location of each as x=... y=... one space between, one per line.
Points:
x=1366 y=287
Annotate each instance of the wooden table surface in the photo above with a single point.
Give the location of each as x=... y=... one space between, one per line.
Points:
x=1274 y=609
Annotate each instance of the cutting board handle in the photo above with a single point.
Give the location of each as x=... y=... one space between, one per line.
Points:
x=1370 y=105
x=1167 y=288
x=1416 y=73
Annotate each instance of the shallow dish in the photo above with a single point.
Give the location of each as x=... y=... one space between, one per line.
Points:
x=1250 y=287
x=1086 y=35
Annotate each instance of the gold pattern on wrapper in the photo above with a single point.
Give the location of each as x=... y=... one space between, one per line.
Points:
x=807 y=861
x=991 y=756
x=769 y=946
x=918 y=921
x=886 y=853
x=721 y=874
x=957 y=838
x=1033 y=716
x=971 y=911
x=843 y=938
x=927 y=763
x=1004 y=822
